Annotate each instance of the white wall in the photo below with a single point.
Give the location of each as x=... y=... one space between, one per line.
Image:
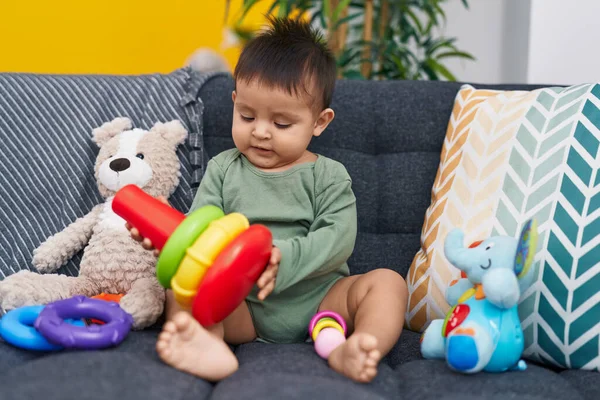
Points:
x=479 y=31
x=564 y=42
x=526 y=41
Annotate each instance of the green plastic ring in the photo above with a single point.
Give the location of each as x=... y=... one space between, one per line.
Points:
x=184 y=236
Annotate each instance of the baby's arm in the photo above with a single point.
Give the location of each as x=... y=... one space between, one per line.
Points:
x=329 y=242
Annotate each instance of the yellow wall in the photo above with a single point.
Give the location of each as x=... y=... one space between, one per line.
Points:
x=112 y=36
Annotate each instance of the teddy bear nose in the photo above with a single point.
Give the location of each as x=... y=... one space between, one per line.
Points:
x=120 y=164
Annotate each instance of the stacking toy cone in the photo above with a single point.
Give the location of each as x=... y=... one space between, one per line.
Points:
x=155 y=220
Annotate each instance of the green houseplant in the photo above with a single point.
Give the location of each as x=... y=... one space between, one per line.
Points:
x=375 y=39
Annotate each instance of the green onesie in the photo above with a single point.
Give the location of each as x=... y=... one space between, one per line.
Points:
x=311 y=212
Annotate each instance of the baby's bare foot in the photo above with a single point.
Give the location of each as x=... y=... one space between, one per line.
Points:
x=184 y=344
x=357 y=358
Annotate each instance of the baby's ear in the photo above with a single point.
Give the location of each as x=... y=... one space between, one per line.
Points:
x=110 y=129
x=174 y=132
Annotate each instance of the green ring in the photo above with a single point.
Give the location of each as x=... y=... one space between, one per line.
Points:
x=184 y=236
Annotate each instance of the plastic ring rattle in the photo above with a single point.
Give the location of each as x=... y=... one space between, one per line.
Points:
x=184 y=236
x=326 y=323
x=323 y=314
x=202 y=254
x=51 y=323
x=16 y=327
x=327 y=330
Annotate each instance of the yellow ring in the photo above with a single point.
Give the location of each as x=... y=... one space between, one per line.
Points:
x=326 y=323
x=200 y=256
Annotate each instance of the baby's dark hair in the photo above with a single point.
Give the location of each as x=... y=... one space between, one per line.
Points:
x=291 y=56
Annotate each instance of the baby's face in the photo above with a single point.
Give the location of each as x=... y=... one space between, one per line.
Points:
x=273 y=128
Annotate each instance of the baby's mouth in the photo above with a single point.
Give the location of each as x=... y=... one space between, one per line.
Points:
x=262 y=149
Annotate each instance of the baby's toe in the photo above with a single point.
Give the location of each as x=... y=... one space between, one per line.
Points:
x=165 y=336
x=368 y=343
x=370 y=373
x=374 y=355
x=181 y=320
x=170 y=327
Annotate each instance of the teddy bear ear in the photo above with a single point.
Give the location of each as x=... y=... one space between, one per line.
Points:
x=110 y=129
x=174 y=132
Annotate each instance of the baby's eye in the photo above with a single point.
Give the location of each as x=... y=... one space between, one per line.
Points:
x=247 y=119
x=282 y=126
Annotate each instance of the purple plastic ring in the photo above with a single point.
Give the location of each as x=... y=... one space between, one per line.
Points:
x=51 y=323
x=325 y=314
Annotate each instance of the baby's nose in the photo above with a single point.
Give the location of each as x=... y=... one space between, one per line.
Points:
x=120 y=164
x=260 y=134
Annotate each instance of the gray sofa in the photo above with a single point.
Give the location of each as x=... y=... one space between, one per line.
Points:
x=389 y=136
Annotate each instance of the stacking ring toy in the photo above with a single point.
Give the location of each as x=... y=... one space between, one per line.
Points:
x=236 y=269
x=327 y=329
x=51 y=323
x=16 y=327
x=202 y=254
x=184 y=236
x=210 y=260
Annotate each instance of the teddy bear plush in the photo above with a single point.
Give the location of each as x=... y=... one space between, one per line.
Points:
x=112 y=261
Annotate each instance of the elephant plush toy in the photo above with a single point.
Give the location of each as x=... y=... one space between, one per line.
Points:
x=482 y=330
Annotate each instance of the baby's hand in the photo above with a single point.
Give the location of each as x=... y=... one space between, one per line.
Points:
x=135 y=234
x=266 y=282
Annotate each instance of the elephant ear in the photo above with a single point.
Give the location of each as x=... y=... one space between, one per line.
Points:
x=526 y=248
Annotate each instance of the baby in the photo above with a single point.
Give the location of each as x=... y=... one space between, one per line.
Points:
x=284 y=82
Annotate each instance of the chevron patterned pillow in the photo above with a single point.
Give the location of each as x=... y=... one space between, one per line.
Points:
x=509 y=156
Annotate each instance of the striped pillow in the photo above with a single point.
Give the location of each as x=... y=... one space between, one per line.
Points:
x=509 y=156
x=47 y=169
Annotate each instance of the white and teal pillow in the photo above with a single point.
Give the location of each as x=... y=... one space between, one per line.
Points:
x=510 y=156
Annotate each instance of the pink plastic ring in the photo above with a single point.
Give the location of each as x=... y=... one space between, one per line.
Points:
x=324 y=314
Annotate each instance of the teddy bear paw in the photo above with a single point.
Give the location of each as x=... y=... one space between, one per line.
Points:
x=21 y=289
x=144 y=313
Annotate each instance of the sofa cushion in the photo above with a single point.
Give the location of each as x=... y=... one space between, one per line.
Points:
x=102 y=375
x=433 y=380
x=47 y=169
x=588 y=382
x=510 y=156
x=296 y=371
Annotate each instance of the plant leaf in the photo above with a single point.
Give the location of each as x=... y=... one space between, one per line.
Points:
x=415 y=19
x=227 y=8
x=327 y=9
x=440 y=11
x=340 y=7
x=434 y=65
x=248 y=4
x=283 y=8
x=347 y=19
x=353 y=74
x=272 y=8
x=460 y=54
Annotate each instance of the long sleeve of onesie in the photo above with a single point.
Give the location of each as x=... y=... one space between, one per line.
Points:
x=210 y=190
x=329 y=242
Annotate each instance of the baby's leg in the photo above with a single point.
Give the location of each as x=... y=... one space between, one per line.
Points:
x=373 y=305
x=188 y=346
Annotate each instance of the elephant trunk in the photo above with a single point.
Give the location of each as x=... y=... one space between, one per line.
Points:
x=455 y=250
